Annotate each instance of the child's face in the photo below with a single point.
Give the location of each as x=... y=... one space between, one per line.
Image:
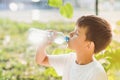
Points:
x=78 y=39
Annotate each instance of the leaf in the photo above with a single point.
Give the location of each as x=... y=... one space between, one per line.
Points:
x=50 y=71
x=67 y=10
x=55 y=3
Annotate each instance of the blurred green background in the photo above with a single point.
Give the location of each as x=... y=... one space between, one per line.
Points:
x=17 y=56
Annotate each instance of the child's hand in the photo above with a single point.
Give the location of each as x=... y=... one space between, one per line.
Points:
x=49 y=38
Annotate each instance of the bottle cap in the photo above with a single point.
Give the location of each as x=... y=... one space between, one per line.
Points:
x=67 y=38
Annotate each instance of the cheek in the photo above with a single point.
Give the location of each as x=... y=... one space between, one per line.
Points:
x=77 y=42
x=72 y=43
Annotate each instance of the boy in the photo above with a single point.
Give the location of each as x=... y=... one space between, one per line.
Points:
x=91 y=35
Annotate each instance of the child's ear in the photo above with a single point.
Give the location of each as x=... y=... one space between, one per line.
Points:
x=90 y=45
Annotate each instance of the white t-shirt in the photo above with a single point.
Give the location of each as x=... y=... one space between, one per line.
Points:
x=66 y=67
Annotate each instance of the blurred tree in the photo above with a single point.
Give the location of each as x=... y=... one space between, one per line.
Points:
x=96 y=7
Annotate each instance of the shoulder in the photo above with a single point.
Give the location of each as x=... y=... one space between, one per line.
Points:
x=98 y=66
x=99 y=72
x=72 y=55
x=61 y=57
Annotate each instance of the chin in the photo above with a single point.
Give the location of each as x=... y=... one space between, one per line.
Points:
x=69 y=47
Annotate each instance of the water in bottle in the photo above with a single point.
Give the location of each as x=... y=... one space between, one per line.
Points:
x=38 y=36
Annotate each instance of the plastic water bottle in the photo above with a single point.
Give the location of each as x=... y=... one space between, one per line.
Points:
x=38 y=36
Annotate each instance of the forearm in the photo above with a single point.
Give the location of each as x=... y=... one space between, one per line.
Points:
x=40 y=55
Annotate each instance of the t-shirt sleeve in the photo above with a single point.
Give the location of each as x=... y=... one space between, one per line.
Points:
x=58 y=62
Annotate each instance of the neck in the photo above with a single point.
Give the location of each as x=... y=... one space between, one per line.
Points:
x=83 y=58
